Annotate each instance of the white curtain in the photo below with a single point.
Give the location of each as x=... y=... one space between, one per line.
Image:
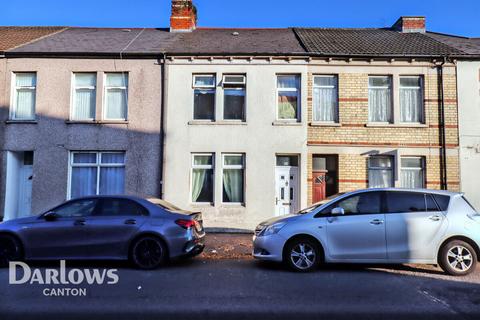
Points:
x=84 y=104
x=411 y=105
x=233 y=185
x=112 y=180
x=379 y=104
x=411 y=178
x=84 y=181
x=324 y=104
x=25 y=100
x=378 y=178
x=116 y=104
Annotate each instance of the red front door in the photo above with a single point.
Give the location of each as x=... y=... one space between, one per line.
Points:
x=319 y=185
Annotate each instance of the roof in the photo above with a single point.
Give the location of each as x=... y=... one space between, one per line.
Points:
x=467 y=45
x=12 y=37
x=371 y=42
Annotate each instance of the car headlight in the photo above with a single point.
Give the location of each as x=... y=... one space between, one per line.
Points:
x=272 y=229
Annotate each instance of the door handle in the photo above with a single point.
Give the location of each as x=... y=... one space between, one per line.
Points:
x=131 y=221
x=435 y=217
x=376 y=222
x=79 y=222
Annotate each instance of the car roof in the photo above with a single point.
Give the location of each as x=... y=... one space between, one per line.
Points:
x=116 y=196
x=441 y=192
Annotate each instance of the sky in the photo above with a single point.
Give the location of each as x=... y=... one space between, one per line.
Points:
x=461 y=17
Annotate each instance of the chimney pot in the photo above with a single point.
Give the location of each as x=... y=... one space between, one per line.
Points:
x=408 y=24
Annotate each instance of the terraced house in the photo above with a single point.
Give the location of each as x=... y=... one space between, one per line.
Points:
x=241 y=124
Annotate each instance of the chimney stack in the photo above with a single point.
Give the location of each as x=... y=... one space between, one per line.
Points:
x=184 y=16
x=410 y=24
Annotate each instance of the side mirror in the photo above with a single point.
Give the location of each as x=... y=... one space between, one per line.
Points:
x=50 y=216
x=338 y=211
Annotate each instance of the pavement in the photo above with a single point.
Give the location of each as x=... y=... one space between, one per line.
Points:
x=216 y=286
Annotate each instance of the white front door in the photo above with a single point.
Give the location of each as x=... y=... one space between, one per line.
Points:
x=286 y=190
x=25 y=191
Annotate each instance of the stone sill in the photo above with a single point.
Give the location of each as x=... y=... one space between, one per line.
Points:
x=324 y=124
x=216 y=123
x=96 y=122
x=21 y=121
x=396 y=125
x=286 y=123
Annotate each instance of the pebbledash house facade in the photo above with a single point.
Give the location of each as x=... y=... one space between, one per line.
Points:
x=241 y=124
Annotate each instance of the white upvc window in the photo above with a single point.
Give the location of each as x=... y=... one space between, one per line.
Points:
x=202 y=177
x=96 y=173
x=233 y=188
x=84 y=96
x=288 y=97
x=234 y=91
x=24 y=96
x=412 y=173
x=116 y=96
x=325 y=98
x=411 y=99
x=380 y=172
x=204 y=89
x=380 y=107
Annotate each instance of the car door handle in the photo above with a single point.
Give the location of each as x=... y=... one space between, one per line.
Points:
x=435 y=217
x=376 y=222
x=79 y=222
x=131 y=221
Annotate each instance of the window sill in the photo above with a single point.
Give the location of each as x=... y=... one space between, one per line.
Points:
x=286 y=123
x=21 y=121
x=96 y=121
x=216 y=123
x=325 y=124
x=396 y=125
x=238 y=205
x=202 y=205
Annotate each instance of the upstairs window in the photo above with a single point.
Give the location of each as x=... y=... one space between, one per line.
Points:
x=234 y=97
x=411 y=99
x=84 y=96
x=380 y=172
x=116 y=96
x=204 y=97
x=288 y=97
x=325 y=98
x=412 y=173
x=380 y=99
x=24 y=96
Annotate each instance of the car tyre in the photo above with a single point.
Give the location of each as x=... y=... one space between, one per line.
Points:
x=10 y=250
x=457 y=258
x=303 y=255
x=148 y=253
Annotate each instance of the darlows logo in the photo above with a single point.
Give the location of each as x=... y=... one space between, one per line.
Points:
x=62 y=276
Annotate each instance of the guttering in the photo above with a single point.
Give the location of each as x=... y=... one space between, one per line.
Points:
x=163 y=79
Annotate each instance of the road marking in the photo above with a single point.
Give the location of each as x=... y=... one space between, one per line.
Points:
x=438 y=300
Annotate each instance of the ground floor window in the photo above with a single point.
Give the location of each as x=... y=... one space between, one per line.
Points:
x=380 y=172
x=202 y=177
x=93 y=173
x=412 y=173
x=233 y=178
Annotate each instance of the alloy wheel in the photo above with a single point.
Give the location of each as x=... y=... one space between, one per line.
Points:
x=9 y=251
x=303 y=256
x=460 y=258
x=148 y=253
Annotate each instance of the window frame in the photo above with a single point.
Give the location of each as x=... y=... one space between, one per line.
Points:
x=74 y=92
x=314 y=86
x=297 y=90
x=392 y=97
x=240 y=86
x=391 y=168
x=212 y=88
x=14 y=95
x=98 y=165
x=422 y=168
x=105 y=93
x=234 y=167
x=205 y=167
x=422 y=97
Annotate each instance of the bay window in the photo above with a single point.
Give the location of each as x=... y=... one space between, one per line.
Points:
x=204 y=97
x=325 y=98
x=411 y=99
x=380 y=172
x=233 y=178
x=380 y=99
x=116 y=96
x=84 y=96
x=288 y=97
x=24 y=96
x=96 y=173
x=412 y=173
x=234 y=97
x=202 y=178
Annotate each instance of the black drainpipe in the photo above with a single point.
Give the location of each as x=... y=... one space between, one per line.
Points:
x=441 y=120
x=162 y=130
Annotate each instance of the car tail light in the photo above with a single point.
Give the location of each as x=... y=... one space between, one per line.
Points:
x=186 y=224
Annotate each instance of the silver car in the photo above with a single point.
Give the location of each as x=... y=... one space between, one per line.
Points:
x=146 y=232
x=376 y=226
